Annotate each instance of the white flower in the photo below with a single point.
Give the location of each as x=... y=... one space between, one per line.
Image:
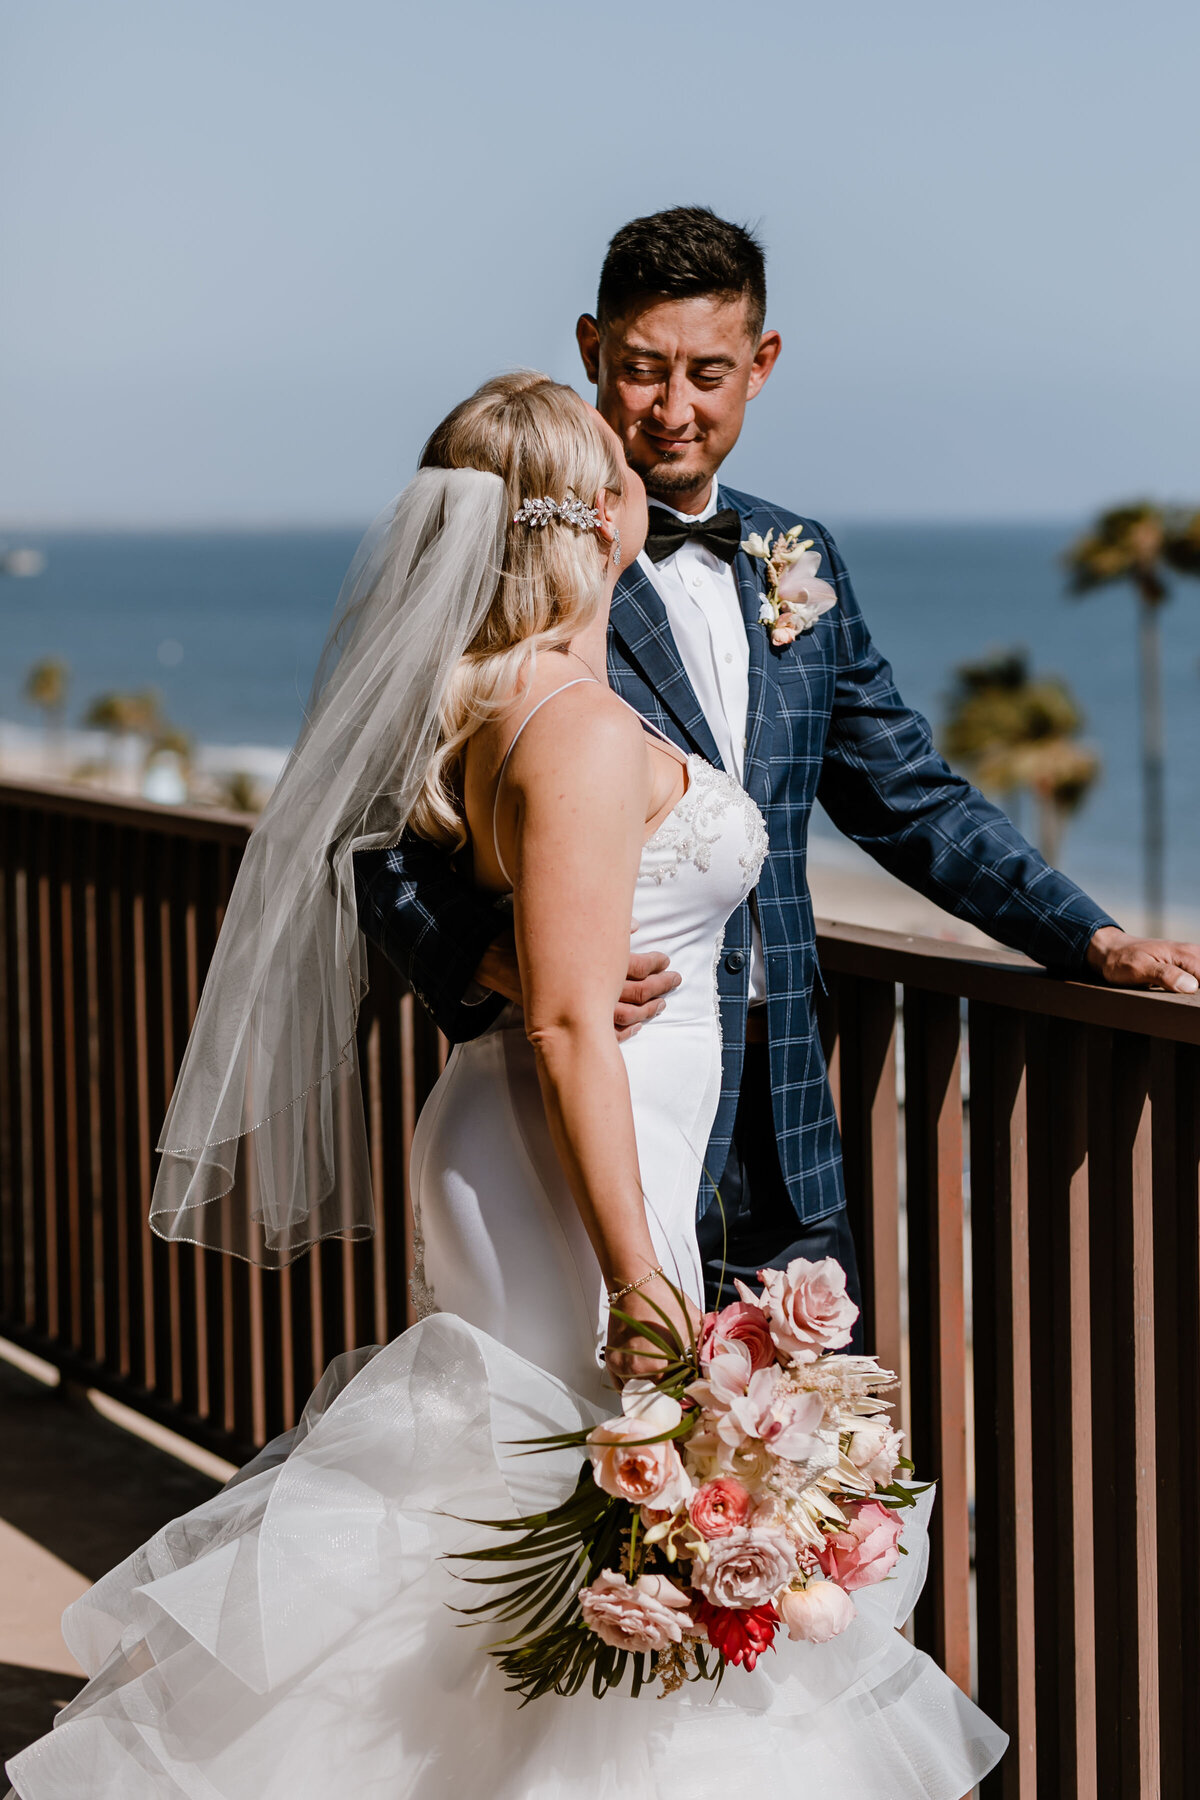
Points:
x=875 y=1448
x=757 y=546
x=640 y=1399
x=767 y=613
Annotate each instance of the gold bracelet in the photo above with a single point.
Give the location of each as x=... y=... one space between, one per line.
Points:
x=620 y=1293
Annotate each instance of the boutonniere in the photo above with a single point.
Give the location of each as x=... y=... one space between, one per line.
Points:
x=794 y=599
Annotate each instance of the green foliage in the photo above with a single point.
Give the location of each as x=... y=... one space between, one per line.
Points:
x=564 y=1550
x=126 y=715
x=46 y=685
x=1137 y=542
x=239 y=792
x=1015 y=731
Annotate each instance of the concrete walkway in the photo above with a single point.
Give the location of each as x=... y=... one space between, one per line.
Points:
x=77 y=1494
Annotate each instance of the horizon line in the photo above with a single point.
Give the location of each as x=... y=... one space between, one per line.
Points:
x=269 y=523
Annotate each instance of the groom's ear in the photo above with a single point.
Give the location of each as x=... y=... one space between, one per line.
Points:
x=765 y=358
x=587 y=336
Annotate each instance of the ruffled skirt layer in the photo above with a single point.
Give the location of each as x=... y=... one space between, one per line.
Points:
x=294 y=1638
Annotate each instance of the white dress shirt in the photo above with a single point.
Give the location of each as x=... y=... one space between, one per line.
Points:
x=704 y=611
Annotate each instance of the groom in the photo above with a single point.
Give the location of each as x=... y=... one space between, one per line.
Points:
x=676 y=349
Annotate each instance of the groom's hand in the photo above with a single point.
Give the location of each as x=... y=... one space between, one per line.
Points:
x=648 y=982
x=1126 y=961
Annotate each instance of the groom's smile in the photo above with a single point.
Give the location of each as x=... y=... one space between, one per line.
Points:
x=673 y=380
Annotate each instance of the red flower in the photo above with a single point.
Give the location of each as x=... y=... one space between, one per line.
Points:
x=740 y=1634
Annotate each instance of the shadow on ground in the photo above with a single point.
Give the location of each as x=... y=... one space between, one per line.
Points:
x=86 y=1491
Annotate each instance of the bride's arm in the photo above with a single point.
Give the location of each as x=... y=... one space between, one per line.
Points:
x=575 y=805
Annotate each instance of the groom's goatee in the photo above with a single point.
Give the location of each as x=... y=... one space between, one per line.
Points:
x=664 y=482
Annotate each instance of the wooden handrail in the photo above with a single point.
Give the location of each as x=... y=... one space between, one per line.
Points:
x=1003 y=978
x=1050 y=1369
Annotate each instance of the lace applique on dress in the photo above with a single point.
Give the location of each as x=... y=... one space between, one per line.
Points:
x=757 y=842
x=688 y=834
x=419 y=1291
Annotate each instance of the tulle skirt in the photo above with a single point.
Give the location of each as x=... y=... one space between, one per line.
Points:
x=295 y=1637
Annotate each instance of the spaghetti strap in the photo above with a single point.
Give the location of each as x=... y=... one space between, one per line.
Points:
x=647 y=726
x=579 y=681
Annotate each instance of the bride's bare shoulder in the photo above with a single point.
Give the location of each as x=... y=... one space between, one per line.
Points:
x=572 y=723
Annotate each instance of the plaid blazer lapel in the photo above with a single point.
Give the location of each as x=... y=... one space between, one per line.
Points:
x=763 y=705
x=639 y=620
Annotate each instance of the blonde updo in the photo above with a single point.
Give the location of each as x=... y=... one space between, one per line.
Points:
x=543 y=441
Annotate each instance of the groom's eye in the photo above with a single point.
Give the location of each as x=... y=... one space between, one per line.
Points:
x=642 y=372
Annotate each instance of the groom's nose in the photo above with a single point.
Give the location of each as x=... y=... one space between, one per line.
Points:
x=673 y=408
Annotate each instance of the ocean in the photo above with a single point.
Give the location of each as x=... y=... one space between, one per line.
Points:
x=228 y=626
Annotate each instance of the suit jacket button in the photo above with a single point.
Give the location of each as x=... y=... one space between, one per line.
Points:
x=735 y=961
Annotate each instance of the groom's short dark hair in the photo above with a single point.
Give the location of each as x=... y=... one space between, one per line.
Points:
x=677 y=255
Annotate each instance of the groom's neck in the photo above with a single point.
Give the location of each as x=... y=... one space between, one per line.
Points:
x=682 y=501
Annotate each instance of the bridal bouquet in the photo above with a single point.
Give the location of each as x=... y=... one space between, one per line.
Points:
x=750 y=1487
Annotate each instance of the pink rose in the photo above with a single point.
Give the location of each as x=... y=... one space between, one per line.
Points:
x=867 y=1550
x=647 y=1616
x=742 y=1325
x=644 y=1474
x=816 y=1613
x=875 y=1448
x=783 y=635
x=784 y=1421
x=626 y=1465
x=719 y=1507
x=808 y=1307
x=746 y=1568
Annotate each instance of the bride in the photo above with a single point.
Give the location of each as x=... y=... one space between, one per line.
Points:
x=294 y=1638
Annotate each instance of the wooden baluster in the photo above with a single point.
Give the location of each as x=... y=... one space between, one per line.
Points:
x=1178 y=1266
x=937 y=1326
x=1062 y=1398
x=1004 y=1558
x=1124 y=1524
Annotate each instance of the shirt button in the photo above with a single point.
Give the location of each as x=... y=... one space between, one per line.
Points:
x=729 y=656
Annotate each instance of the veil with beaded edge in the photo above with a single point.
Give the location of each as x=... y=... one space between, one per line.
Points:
x=264 y=1147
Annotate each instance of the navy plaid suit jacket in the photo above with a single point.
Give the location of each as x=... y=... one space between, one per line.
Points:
x=825 y=721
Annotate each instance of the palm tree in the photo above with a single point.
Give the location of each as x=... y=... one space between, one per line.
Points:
x=1140 y=543
x=1017 y=733
x=125 y=715
x=46 y=687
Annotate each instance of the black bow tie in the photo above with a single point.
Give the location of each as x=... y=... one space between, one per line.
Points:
x=722 y=534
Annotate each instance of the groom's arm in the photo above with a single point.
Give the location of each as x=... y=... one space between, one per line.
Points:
x=454 y=945
x=435 y=926
x=884 y=784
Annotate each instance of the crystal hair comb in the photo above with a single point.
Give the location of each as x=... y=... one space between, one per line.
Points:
x=536 y=513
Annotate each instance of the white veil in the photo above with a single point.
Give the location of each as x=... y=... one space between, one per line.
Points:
x=264 y=1146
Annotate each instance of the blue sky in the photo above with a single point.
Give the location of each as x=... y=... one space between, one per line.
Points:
x=253 y=250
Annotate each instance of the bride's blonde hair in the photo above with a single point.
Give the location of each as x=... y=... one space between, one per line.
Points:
x=544 y=442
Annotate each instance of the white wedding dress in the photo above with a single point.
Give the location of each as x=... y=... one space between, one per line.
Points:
x=293 y=1638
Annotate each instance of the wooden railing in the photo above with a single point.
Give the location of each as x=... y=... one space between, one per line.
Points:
x=1022 y=1159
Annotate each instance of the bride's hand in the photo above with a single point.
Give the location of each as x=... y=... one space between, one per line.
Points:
x=628 y=1354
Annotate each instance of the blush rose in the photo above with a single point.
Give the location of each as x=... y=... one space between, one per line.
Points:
x=648 y=1615
x=745 y=1568
x=741 y=1325
x=629 y=1466
x=816 y=1613
x=808 y=1308
x=867 y=1550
